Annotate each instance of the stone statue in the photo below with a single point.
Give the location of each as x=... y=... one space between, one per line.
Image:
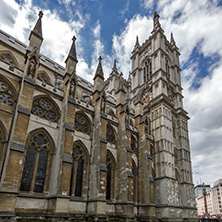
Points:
x=73 y=81
x=103 y=103
x=33 y=58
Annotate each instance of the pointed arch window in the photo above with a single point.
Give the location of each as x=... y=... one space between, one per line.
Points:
x=45 y=108
x=133 y=143
x=43 y=77
x=135 y=180
x=9 y=58
x=78 y=171
x=110 y=134
x=109 y=176
x=2 y=145
x=82 y=123
x=37 y=164
x=6 y=92
x=147 y=70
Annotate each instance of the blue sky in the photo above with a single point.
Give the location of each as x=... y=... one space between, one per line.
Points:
x=109 y=28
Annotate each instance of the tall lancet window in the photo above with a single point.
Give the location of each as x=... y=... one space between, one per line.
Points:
x=2 y=145
x=78 y=171
x=108 y=177
x=37 y=163
x=110 y=165
x=167 y=68
x=147 y=70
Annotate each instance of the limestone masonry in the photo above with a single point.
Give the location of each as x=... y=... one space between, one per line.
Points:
x=114 y=150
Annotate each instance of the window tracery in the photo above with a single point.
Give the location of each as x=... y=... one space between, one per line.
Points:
x=108 y=177
x=44 y=108
x=134 y=171
x=77 y=171
x=133 y=143
x=6 y=95
x=44 y=78
x=147 y=70
x=2 y=145
x=110 y=134
x=36 y=164
x=82 y=124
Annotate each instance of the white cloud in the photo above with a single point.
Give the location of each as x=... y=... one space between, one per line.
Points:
x=147 y=4
x=124 y=43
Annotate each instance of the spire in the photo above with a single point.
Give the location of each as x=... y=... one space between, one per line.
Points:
x=99 y=70
x=172 y=41
x=72 y=51
x=38 y=27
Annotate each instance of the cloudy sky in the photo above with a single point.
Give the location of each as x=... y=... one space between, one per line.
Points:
x=109 y=28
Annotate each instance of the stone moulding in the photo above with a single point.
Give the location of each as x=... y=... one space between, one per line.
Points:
x=20 y=147
x=102 y=139
x=69 y=127
x=102 y=167
x=24 y=110
x=29 y=80
x=67 y=158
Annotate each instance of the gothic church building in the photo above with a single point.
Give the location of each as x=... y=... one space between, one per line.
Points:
x=114 y=150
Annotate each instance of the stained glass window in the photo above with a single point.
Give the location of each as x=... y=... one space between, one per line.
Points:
x=81 y=123
x=37 y=150
x=108 y=177
x=44 y=108
x=110 y=134
x=133 y=143
x=44 y=79
x=2 y=146
x=76 y=180
x=6 y=95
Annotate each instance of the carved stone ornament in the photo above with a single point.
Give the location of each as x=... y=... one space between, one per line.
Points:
x=33 y=61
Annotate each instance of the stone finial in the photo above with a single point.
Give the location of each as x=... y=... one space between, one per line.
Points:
x=40 y=14
x=172 y=41
x=114 y=65
x=137 y=44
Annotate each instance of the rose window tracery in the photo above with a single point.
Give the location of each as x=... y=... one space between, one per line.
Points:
x=44 y=108
x=81 y=123
x=6 y=95
x=110 y=134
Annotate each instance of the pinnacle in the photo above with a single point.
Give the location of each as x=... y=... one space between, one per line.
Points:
x=99 y=70
x=72 y=51
x=38 y=27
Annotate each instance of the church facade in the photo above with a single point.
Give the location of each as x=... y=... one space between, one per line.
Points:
x=114 y=150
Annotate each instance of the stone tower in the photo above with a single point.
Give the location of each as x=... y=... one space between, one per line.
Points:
x=156 y=79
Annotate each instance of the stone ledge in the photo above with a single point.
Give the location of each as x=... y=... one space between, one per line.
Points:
x=29 y=80
x=69 y=127
x=20 y=147
x=24 y=110
x=67 y=158
x=103 y=167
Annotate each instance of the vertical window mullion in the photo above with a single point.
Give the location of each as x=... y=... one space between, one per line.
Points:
x=28 y=171
x=35 y=170
x=79 y=177
x=41 y=171
x=71 y=179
